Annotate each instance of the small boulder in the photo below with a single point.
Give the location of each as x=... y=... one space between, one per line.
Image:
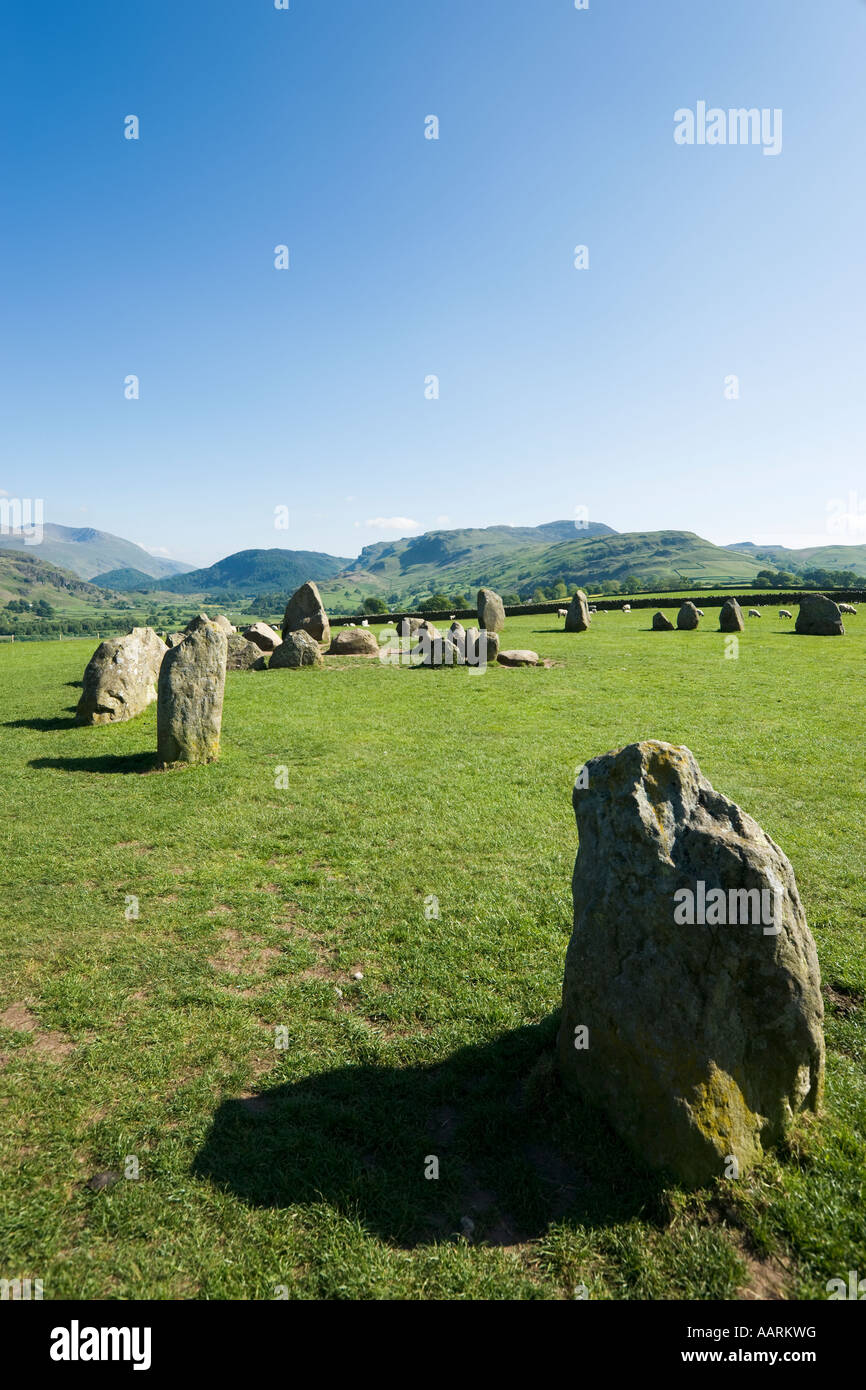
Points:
x=354 y=641
x=692 y=1008
x=491 y=611
x=731 y=617
x=819 y=616
x=120 y=678
x=577 y=618
x=305 y=612
x=661 y=623
x=242 y=655
x=688 y=617
x=299 y=649
x=191 y=688
x=266 y=638
x=518 y=657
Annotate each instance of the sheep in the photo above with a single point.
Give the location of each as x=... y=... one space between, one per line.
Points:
x=364 y=623
x=783 y=613
x=563 y=612
x=847 y=608
x=626 y=608
x=753 y=613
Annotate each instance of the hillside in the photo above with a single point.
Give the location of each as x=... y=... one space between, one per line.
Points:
x=829 y=557
x=461 y=561
x=253 y=571
x=126 y=581
x=87 y=552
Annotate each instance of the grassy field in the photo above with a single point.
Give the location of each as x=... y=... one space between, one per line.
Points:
x=281 y=1112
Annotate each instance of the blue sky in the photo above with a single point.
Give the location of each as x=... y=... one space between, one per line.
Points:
x=559 y=388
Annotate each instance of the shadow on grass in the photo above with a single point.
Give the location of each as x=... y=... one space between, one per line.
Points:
x=45 y=726
x=514 y=1153
x=107 y=762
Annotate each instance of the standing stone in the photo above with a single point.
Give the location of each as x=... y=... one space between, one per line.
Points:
x=299 y=649
x=191 y=686
x=224 y=625
x=700 y=1041
x=242 y=655
x=688 y=617
x=662 y=623
x=265 y=638
x=354 y=641
x=481 y=648
x=731 y=617
x=407 y=627
x=577 y=618
x=491 y=611
x=120 y=678
x=305 y=612
x=819 y=616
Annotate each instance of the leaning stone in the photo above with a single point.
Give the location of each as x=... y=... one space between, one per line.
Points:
x=731 y=617
x=243 y=655
x=662 y=623
x=819 y=616
x=305 y=612
x=698 y=1032
x=688 y=617
x=120 y=678
x=191 y=688
x=577 y=618
x=491 y=611
x=517 y=657
x=265 y=637
x=299 y=649
x=354 y=641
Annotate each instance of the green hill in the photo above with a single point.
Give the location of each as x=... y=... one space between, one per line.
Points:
x=87 y=552
x=127 y=581
x=827 y=557
x=256 y=571
x=461 y=561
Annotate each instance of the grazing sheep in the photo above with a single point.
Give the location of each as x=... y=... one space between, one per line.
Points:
x=700 y=612
x=783 y=613
x=364 y=623
x=563 y=612
x=753 y=613
x=626 y=608
x=847 y=608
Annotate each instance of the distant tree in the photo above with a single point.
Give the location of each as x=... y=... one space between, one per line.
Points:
x=438 y=600
x=374 y=605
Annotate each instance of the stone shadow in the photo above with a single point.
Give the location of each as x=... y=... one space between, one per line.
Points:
x=513 y=1152
x=106 y=762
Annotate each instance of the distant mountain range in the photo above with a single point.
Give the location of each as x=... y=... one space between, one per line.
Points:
x=515 y=560
x=87 y=552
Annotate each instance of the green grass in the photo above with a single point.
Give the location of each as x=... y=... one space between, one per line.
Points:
x=304 y=1166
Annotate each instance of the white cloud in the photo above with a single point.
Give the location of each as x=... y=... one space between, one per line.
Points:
x=443 y=521
x=391 y=523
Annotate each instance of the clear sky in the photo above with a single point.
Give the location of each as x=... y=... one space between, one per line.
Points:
x=560 y=388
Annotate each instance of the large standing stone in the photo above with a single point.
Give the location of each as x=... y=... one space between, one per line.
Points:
x=299 y=649
x=702 y=1041
x=731 y=617
x=491 y=611
x=819 y=616
x=120 y=678
x=265 y=637
x=191 y=686
x=242 y=655
x=305 y=612
x=577 y=618
x=688 y=617
x=354 y=641
x=661 y=623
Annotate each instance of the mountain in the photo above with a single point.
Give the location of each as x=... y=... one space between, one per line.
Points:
x=519 y=559
x=87 y=552
x=24 y=577
x=827 y=557
x=256 y=571
x=127 y=581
